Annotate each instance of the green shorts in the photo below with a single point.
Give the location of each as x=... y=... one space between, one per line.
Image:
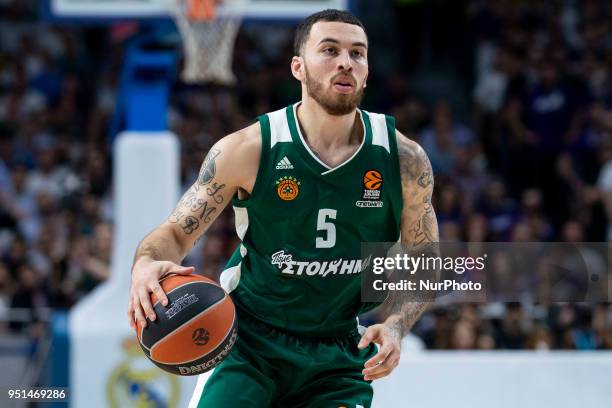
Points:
x=271 y=368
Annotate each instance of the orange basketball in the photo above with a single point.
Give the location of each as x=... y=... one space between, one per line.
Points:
x=195 y=331
x=372 y=180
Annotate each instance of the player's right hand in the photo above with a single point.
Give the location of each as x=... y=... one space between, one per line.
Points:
x=145 y=280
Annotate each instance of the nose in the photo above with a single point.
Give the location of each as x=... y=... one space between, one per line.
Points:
x=344 y=61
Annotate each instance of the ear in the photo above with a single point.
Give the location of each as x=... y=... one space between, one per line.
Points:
x=297 y=68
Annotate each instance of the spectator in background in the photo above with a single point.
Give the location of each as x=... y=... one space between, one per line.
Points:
x=20 y=101
x=50 y=177
x=448 y=201
x=477 y=228
x=49 y=251
x=601 y=324
x=504 y=80
x=512 y=332
x=6 y=294
x=499 y=208
x=444 y=138
x=463 y=336
x=604 y=183
x=582 y=336
x=540 y=338
x=554 y=118
x=23 y=205
x=438 y=335
x=597 y=75
x=89 y=260
x=16 y=255
x=606 y=341
x=7 y=220
x=450 y=231
x=29 y=297
x=561 y=319
x=469 y=178
x=531 y=213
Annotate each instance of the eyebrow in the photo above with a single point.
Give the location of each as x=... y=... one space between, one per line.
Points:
x=333 y=40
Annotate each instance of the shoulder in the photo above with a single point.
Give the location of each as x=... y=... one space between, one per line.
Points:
x=245 y=141
x=412 y=158
x=238 y=154
x=241 y=146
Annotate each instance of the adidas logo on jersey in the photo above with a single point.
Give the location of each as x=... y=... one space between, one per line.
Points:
x=284 y=164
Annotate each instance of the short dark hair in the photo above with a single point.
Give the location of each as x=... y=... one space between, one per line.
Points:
x=330 y=15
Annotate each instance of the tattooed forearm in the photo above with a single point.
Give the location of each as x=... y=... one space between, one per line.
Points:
x=176 y=216
x=190 y=224
x=404 y=308
x=402 y=321
x=148 y=250
x=158 y=247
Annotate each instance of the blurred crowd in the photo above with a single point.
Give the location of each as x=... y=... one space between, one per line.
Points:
x=513 y=326
x=532 y=159
x=526 y=155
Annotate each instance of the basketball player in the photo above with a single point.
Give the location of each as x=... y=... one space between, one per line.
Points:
x=308 y=184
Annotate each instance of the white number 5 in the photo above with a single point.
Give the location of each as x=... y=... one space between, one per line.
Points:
x=329 y=227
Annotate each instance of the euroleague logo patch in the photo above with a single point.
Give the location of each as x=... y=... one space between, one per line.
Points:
x=200 y=336
x=287 y=188
x=372 y=180
x=372 y=188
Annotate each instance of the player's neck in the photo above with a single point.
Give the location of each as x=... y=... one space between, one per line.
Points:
x=324 y=130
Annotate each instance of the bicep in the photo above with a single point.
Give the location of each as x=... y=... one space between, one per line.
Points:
x=419 y=225
x=418 y=220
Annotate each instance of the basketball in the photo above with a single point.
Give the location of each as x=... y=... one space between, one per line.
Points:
x=195 y=331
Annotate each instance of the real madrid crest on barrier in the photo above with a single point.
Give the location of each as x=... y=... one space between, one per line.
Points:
x=136 y=382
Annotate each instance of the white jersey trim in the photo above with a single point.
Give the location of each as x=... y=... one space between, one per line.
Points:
x=230 y=277
x=241 y=217
x=199 y=389
x=380 y=136
x=279 y=127
x=330 y=169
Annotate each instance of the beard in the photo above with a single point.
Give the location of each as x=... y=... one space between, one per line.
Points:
x=335 y=104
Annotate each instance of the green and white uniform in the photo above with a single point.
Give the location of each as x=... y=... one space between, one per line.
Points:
x=295 y=279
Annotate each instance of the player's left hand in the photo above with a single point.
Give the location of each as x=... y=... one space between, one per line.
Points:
x=388 y=355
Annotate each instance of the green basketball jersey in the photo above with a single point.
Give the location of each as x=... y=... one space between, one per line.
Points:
x=298 y=266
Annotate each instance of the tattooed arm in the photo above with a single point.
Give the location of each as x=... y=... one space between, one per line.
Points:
x=229 y=167
x=419 y=230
